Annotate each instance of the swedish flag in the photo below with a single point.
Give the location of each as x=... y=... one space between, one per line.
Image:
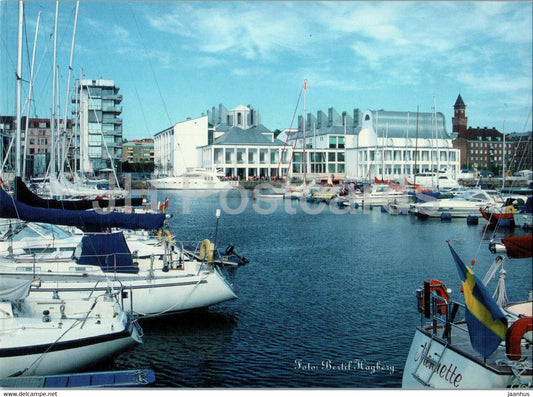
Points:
x=487 y=324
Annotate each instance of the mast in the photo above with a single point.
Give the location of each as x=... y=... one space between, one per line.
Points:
x=416 y=146
x=53 y=115
x=303 y=130
x=436 y=139
x=503 y=149
x=19 y=86
x=29 y=96
x=64 y=125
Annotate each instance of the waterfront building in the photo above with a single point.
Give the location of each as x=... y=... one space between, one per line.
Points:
x=459 y=119
x=36 y=146
x=522 y=154
x=393 y=145
x=480 y=148
x=176 y=148
x=320 y=144
x=483 y=149
x=100 y=128
x=138 y=151
x=232 y=141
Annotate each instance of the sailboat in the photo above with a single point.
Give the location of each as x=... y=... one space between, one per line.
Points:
x=489 y=346
x=288 y=190
x=57 y=334
x=24 y=195
x=159 y=280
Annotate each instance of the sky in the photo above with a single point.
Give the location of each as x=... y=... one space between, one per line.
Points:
x=173 y=60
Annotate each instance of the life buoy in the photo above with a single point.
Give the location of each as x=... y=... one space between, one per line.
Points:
x=509 y=209
x=206 y=251
x=514 y=335
x=424 y=297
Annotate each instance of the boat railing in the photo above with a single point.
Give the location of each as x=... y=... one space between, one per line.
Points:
x=171 y=258
x=443 y=319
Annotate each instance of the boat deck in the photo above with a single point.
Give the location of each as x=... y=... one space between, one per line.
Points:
x=497 y=362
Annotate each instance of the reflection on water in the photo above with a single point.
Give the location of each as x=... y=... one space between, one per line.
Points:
x=327 y=300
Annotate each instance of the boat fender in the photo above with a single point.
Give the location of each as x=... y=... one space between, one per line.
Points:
x=514 y=336
x=509 y=209
x=424 y=301
x=206 y=251
x=472 y=220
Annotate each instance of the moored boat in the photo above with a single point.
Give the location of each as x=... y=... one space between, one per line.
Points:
x=488 y=347
x=161 y=283
x=156 y=277
x=197 y=179
x=58 y=334
x=461 y=206
x=124 y=378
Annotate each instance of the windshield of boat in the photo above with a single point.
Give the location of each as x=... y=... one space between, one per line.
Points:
x=41 y=230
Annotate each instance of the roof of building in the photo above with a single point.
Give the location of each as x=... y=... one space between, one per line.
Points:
x=459 y=102
x=516 y=136
x=389 y=124
x=250 y=137
x=474 y=134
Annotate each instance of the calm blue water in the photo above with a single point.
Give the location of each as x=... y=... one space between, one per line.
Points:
x=327 y=300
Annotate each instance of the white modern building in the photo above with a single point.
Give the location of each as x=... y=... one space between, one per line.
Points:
x=232 y=141
x=251 y=153
x=321 y=143
x=358 y=145
x=176 y=149
x=396 y=145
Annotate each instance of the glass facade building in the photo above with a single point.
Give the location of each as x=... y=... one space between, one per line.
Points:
x=100 y=125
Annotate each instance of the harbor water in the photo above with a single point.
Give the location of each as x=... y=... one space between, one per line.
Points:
x=327 y=300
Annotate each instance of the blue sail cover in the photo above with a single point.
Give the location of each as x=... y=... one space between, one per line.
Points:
x=109 y=251
x=86 y=220
x=26 y=196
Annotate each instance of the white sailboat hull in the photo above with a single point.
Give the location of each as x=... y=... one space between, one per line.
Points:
x=454 y=371
x=148 y=297
x=58 y=344
x=58 y=362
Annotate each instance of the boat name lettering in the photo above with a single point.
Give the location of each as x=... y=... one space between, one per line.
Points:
x=446 y=372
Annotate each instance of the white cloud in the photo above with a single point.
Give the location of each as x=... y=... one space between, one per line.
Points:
x=255 y=30
x=495 y=83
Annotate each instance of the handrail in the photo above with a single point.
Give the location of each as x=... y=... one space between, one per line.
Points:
x=448 y=321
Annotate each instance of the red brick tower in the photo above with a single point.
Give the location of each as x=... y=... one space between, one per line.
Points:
x=459 y=120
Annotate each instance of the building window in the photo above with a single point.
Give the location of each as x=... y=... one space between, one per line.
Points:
x=95 y=151
x=241 y=153
x=252 y=156
x=229 y=156
x=274 y=156
x=263 y=155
